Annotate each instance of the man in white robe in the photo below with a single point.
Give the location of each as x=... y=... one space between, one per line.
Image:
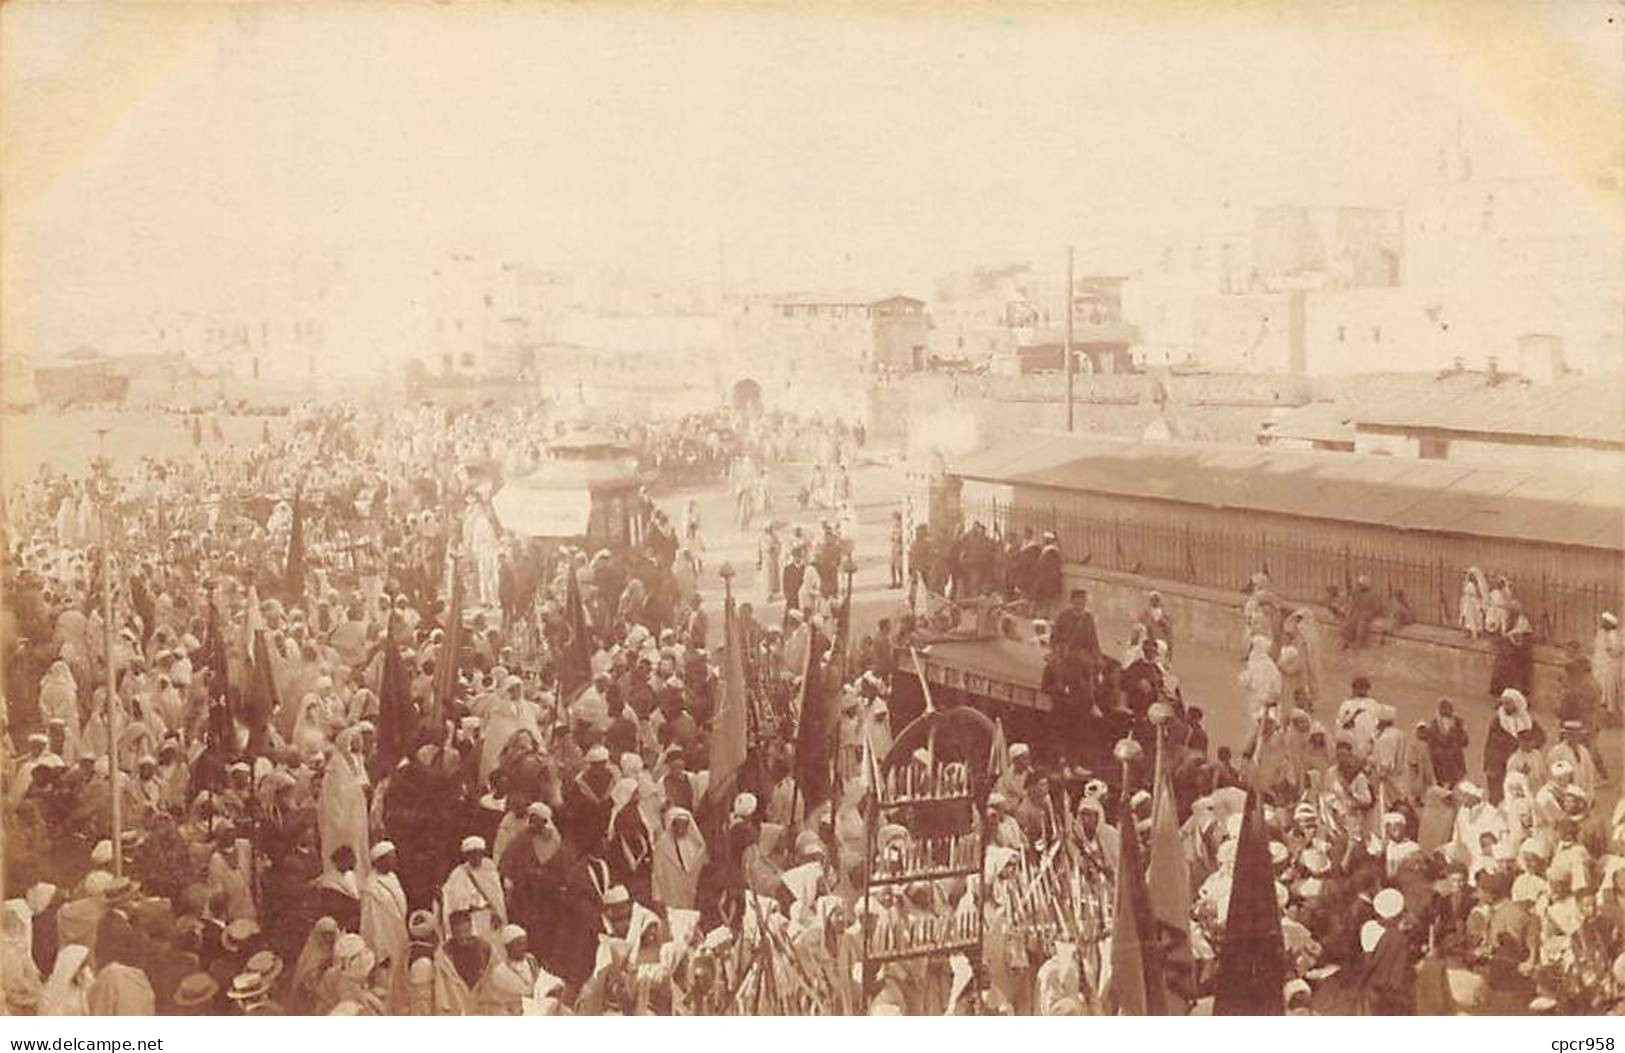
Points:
x=510 y=980
x=59 y=700
x=39 y=756
x=481 y=539
x=383 y=915
x=1357 y=717
x=475 y=885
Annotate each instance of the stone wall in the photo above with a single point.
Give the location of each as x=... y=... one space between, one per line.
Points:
x=1417 y=655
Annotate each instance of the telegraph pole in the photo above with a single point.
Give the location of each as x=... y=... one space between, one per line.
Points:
x=104 y=477
x=1069 y=415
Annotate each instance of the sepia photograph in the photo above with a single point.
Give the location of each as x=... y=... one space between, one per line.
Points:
x=811 y=510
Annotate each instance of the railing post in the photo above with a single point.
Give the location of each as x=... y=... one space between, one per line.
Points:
x=1545 y=609
x=1441 y=596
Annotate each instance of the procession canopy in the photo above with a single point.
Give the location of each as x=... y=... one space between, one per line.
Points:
x=583 y=489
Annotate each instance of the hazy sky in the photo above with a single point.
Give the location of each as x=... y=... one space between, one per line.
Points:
x=164 y=155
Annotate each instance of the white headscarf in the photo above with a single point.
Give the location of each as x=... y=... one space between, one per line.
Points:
x=622 y=793
x=1262 y=678
x=67 y=991
x=1519 y=720
x=18 y=973
x=677 y=861
x=308 y=734
x=341 y=815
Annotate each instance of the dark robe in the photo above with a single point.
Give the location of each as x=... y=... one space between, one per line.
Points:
x=549 y=893
x=1499 y=746
x=1387 y=985
x=1507 y=991
x=1024 y=568
x=1047 y=576
x=1448 y=750
x=469 y=957
x=331 y=903
x=679 y=790
x=288 y=904
x=1433 y=997
x=622 y=736
x=117 y=940
x=211 y=944
x=414 y=814
x=1075 y=632
x=45 y=937
x=1514 y=662
x=1140 y=672
x=630 y=855
x=794 y=572
x=586 y=815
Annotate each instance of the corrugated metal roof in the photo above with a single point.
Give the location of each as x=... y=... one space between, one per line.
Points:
x=1588 y=408
x=1387 y=491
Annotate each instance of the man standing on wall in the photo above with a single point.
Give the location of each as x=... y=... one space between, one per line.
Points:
x=1047 y=576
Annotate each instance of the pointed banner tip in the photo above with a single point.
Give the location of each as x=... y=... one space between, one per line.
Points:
x=1252 y=956
x=925 y=685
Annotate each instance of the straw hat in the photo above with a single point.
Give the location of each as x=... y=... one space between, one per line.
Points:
x=267 y=964
x=238 y=933
x=195 y=989
x=248 y=985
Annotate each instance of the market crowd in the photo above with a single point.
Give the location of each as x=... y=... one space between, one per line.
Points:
x=372 y=755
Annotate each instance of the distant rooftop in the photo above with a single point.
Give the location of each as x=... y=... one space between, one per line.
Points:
x=1587 y=409
x=1315 y=422
x=847 y=298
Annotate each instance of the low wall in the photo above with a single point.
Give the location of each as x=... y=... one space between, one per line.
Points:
x=1423 y=656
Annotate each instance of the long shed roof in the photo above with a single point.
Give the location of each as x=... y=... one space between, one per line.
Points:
x=1401 y=493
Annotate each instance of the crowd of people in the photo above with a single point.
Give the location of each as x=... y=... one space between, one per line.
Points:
x=395 y=762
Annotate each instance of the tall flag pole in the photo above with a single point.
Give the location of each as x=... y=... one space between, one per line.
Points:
x=451 y=649
x=575 y=661
x=843 y=632
x=261 y=695
x=396 y=719
x=293 y=577
x=813 y=730
x=730 y=730
x=1136 y=984
x=222 y=729
x=1169 y=876
x=114 y=779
